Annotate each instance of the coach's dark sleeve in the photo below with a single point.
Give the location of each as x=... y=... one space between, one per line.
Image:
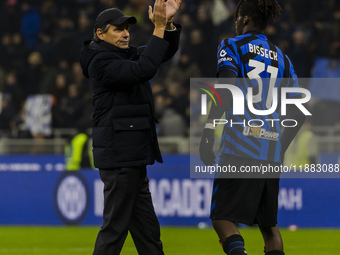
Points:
x=173 y=38
x=112 y=70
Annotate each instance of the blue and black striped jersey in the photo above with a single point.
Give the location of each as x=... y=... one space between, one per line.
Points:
x=255 y=60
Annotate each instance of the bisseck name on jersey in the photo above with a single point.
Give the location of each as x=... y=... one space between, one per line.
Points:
x=223 y=57
x=263 y=52
x=259 y=132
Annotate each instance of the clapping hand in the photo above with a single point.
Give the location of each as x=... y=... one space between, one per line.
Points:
x=172 y=7
x=158 y=15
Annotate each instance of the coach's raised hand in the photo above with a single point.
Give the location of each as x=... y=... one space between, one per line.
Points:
x=172 y=7
x=158 y=17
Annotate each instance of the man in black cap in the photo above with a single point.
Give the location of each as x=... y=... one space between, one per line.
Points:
x=124 y=134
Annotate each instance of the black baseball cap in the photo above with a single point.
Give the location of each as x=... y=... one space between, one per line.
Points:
x=112 y=16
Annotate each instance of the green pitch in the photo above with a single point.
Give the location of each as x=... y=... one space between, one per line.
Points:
x=177 y=241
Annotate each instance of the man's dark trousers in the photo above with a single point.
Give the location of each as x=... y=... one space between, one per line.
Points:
x=128 y=207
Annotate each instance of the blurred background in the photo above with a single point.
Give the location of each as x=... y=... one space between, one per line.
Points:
x=45 y=102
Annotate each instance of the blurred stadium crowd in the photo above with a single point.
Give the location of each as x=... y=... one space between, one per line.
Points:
x=41 y=40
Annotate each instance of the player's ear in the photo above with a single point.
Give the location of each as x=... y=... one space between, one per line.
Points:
x=245 y=20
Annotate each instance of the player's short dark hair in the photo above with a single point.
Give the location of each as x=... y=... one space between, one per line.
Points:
x=260 y=11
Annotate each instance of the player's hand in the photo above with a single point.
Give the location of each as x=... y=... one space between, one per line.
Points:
x=207 y=154
x=172 y=7
x=158 y=15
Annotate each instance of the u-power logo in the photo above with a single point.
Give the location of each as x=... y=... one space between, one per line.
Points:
x=239 y=99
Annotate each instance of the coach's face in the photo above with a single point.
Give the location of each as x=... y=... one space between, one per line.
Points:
x=117 y=35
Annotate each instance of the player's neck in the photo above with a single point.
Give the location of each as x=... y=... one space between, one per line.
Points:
x=247 y=30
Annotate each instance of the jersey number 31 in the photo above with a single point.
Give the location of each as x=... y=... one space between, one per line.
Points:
x=254 y=74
